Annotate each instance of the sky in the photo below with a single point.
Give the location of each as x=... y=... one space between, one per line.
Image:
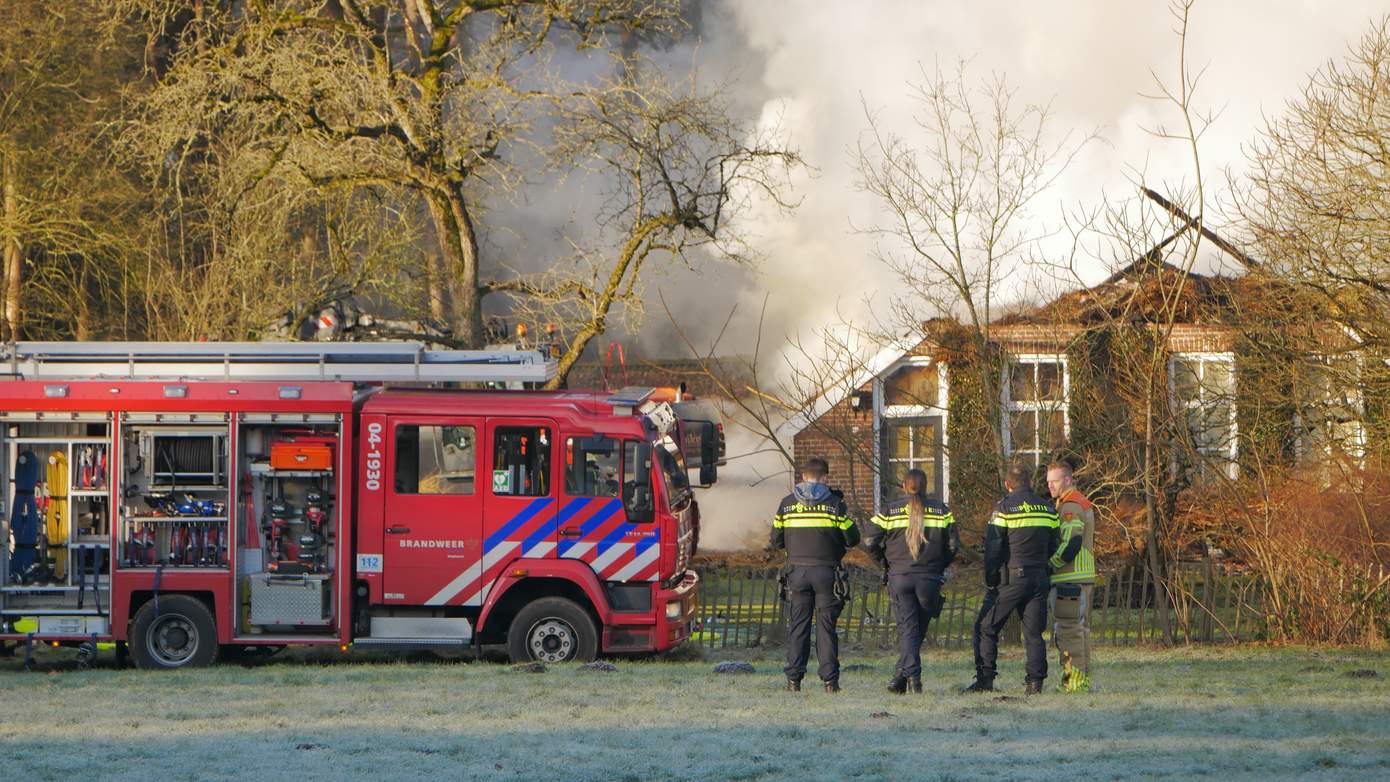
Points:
x=813 y=67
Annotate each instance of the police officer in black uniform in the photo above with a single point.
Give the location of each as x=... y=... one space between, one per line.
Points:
x=1020 y=538
x=813 y=525
x=914 y=539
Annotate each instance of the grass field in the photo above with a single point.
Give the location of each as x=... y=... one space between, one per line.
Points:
x=1217 y=713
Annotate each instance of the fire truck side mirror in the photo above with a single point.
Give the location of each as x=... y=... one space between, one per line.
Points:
x=709 y=454
x=639 y=506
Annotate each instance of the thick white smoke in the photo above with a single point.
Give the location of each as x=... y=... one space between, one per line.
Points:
x=821 y=63
x=736 y=512
x=814 y=66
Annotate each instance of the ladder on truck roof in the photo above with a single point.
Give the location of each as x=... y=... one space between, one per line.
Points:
x=400 y=362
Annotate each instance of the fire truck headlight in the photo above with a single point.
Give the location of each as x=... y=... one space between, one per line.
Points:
x=673 y=611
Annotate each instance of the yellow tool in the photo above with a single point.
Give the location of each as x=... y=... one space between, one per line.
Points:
x=56 y=484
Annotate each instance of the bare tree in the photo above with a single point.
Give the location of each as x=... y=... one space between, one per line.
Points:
x=64 y=208
x=422 y=102
x=957 y=191
x=680 y=172
x=1157 y=242
x=1318 y=202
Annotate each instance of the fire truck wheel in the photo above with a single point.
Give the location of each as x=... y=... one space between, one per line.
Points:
x=552 y=630
x=181 y=635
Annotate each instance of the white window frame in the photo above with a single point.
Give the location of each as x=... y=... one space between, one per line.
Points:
x=884 y=411
x=1232 y=428
x=1357 y=451
x=1009 y=405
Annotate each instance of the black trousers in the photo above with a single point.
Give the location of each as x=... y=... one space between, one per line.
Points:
x=913 y=596
x=1026 y=595
x=987 y=605
x=811 y=592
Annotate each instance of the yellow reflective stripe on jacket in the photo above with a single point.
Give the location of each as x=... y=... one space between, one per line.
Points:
x=1019 y=520
x=807 y=521
x=1083 y=568
x=901 y=521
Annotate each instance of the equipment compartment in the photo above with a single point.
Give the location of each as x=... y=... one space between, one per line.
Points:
x=175 y=507
x=55 y=519
x=286 y=529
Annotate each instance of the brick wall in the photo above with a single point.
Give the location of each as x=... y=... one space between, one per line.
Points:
x=845 y=438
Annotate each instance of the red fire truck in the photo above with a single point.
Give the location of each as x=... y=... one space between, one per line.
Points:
x=183 y=500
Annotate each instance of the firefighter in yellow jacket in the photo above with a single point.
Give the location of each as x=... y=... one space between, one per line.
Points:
x=1073 y=575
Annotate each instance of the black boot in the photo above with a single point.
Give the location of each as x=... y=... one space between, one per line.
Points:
x=983 y=683
x=1032 y=687
x=898 y=684
x=914 y=685
x=793 y=685
x=832 y=685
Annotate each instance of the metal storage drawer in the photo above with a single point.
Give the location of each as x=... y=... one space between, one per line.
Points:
x=73 y=625
x=286 y=601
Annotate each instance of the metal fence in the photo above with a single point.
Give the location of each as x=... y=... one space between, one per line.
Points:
x=739 y=608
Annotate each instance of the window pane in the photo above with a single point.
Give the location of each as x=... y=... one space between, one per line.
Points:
x=902 y=442
x=1342 y=370
x=929 y=467
x=1023 y=429
x=521 y=461
x=1217 y=381
x=912 y=385
x=1029 y=460
x=1345 y=436
x=893 y=485
x=924 y=441
x=1021 y=383
x=591 y=467
x=630 y=468
x=909 y=443
x=1054 y=429
x=1186 y=383
x=1050 y=382
x=1218 y=425
x=407 y=468
x=1196 y=424
x=673 y=472
x=435 y=459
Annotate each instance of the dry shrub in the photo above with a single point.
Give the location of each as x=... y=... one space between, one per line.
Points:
x=1317 y=538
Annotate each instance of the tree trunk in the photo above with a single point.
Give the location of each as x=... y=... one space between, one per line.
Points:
x=14 y=252
x=436 y=283
x=1154 y=538
x=458 y=243
x=82 y=320
x=634 y=253
x=571 y=357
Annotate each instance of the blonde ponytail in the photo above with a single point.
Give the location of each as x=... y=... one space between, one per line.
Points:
x=915 y=484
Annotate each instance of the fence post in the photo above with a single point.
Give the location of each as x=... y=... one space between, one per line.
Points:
x=958 y=610
x=1208 y=595
x=1129 y=604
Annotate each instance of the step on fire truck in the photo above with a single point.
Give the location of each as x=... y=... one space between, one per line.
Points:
x=187 y=499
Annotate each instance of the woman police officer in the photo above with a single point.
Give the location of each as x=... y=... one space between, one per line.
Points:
x=914 y=539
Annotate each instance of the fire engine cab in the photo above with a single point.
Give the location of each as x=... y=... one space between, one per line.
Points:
x=190 y=499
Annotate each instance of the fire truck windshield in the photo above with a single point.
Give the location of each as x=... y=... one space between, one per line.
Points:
x=668 y=456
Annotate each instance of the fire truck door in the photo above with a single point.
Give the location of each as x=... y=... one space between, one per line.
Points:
x=433 y=514
x=519 y=519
